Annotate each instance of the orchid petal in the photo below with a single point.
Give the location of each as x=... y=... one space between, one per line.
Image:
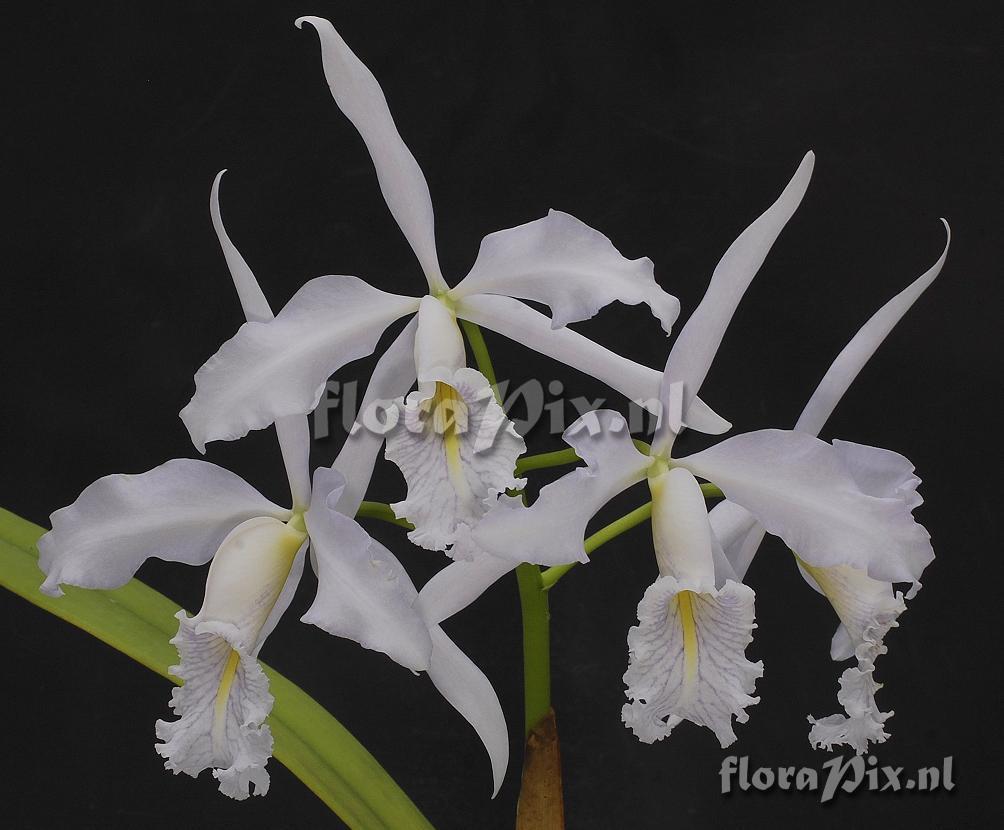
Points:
x=686 y=655
x=239 y=756
x=677 y=501
x=248 y=575
x=841 y=647
x=467 y=689
x=392 y=377
x=225 y=699
x=798 y=488
x=471 y=574
x=363 y=591
x=881 y=473
x=858 y=351
x=862 y=722
x=292 y=431
x=285 y=597
x=268 y=370
x=522 y=324
x=722 y=566
x=359 y=96
x=457 y=451
x=439 y=345
x=460 y=583
x=739 y=534
x=876 y=472
x=680 y=529
x=179 y=512
x=551 y=530
x=256 y=308
x=687 y=660
x=702 y=418
x=567 y=265
x=695 y=348
x=867 y=608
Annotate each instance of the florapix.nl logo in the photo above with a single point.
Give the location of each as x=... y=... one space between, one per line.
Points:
x=532 y=404
x=837 y=775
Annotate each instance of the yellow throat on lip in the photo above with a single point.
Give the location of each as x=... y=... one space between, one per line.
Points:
x=449 y=418
x=685 y=600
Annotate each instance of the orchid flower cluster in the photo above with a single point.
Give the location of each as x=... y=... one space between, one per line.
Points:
x=843 y=509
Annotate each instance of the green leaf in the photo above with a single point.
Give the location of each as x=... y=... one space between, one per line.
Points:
x=139 y=621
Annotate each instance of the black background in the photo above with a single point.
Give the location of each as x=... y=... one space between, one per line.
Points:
x=667 y=126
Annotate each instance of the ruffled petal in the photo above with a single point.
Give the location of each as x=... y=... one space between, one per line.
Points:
x=687 y=660
x=359 y=96
x=695 y=348
x=179 y=512
x=862 y=722
x=551 y=530
x=231 y=739
x=799 y=488
x=862 y=346
x=565 y=264
x=392 y=377
x=686 y=656
x=522 y=324
x=866 y=607
x=224 y=701
x=881 y=473
x=268 y=370
x=467 y=689
x=457 y=451
x=363 y=591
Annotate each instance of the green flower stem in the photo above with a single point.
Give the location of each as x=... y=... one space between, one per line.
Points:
x=384 y=512
x=550 y=577
x=560 y=458
x=712 y=491
x=543 y=460
x=532 y=598
x=536 y=646
x=481 y=356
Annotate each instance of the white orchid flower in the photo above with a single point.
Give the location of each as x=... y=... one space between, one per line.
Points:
x=193 y=511
x=453 y=443
x=687 y=654
x=867 y=608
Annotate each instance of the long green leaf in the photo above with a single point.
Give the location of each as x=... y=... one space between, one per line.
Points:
x=139 y=621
